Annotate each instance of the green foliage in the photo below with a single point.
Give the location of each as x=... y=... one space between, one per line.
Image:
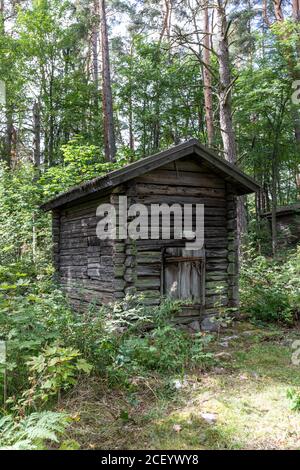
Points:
x=294 y=397
x=81 y=162
x=162 y=91
x=270 y=288
x=33 y=431
x=163 y=347
x=21 y=219
x=31 y=316
x=53 y=371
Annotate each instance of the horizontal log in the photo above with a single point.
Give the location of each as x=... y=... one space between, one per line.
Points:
x=148 y=270
x=217 y=253
x=148 y=283
x=147 y=189
x=169 y=177
x=216 y=276
x=160 y=199
x=74 y=243
x=150 y=294
x=215 y=301
x=103 y=286
x=149 y=257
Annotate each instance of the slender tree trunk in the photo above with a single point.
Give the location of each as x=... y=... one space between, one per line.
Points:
x=226 y=124
x=2 y=20
x=295 y=73
x=37 y=135
x=109 y=128
x=49 y=157
x=207 y=80
x=227 y=131
x=14 y=148
x=166 y=28
x=130 y=104
x=9 y=133
x=296 y=10
x=278 y=10
x=95 y=51
x=274 y=202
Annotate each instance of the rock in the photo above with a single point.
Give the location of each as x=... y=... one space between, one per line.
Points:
x=223 y=355
x=230 y=338
x=209 y=325
x=210 y=418
x=248 y=333
x=218 y=370
x=224 y=344
x=195 y=326
x=243 y=377
x=178 y=384
x=177 y=428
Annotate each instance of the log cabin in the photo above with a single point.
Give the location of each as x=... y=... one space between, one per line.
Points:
x=102 y=271
x=287 y=223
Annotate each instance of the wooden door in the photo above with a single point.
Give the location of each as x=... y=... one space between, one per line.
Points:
x=184 y=275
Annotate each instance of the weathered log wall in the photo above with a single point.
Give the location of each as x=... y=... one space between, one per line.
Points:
x=85 y=264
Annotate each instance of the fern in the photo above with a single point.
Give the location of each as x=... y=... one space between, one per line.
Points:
x=32 y=431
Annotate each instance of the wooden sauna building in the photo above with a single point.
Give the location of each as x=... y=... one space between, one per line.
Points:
x=287 y=223
x=103 y=271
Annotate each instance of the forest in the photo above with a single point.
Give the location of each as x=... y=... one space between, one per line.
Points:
x=87 y=87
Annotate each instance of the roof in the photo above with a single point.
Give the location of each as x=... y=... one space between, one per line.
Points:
x=243 y=183
x=284 y=210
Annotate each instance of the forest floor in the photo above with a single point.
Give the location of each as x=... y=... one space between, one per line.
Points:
x=241 y=403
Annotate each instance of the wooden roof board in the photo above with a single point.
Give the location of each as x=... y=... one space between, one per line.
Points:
x=243 y=183
x=284 y=210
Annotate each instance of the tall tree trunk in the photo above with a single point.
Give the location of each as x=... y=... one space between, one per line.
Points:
x=2 y=20
x=226 y=124
x=130 y=104
x=296 y=10
x=278 y=10
x=295 y=72
x=227 y=131
x=95 y=51
x=207 y=79
x=9 y=133
x=109 y=128
x=166 y=27
x=14 y=148
x=274 y=201
x=37 y=135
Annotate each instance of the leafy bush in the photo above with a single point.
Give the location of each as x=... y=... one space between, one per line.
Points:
x=81 y=162
x=32 y=316
x=294 y=397
x=270 y=289
x=163 y=347
x=55 y=370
